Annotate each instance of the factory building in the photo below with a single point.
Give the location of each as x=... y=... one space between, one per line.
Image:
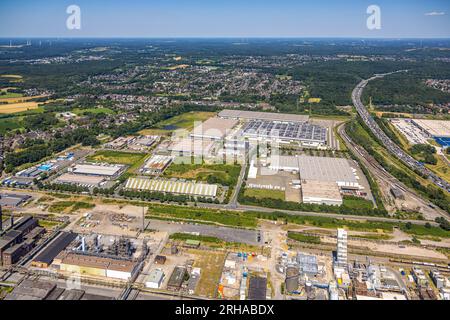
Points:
x=9 y=200
x=81 y=180
x=322 y=179
x=175 y=187
x=337 y=170
x=91 y=265
x=155 y=279
x=267 y=116
x=305 y=133
x=321 y=192
x=157 y=164
x=105 y=170
x=45 y=258
x=341 y=252
x=19 y=239
x=307 y=264
x=437 y=129
x=188 y=147
x=213 y=129
x=176 y=279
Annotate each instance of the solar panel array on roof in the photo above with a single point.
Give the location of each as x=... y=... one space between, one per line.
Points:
x=177 y=187
x=296 y=131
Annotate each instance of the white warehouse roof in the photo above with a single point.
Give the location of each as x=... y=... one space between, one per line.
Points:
x=94 y=169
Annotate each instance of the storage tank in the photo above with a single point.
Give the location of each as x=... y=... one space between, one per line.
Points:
x=292 y=274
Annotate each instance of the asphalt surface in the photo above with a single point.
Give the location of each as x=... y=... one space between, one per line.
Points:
x=388 y=143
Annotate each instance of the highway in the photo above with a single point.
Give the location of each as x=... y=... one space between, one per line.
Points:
x=380 y=173
x=387 y=142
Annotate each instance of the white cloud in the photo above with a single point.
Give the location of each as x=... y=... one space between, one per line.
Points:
x=435 y=13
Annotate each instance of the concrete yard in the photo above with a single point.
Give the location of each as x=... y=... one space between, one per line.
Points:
x=227 y=234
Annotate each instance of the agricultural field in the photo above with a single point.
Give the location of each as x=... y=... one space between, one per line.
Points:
x=184 y=121
x=5 y=94
x=17 y=107
x=211 y=265
x=261 y=194
x=13 y=78
x=226 y=175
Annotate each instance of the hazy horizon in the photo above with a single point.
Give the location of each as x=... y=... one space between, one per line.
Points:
x=402 y=19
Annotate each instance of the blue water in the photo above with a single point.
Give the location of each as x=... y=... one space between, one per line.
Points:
x=443 y=141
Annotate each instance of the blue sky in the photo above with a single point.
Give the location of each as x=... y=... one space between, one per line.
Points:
x=225 y=18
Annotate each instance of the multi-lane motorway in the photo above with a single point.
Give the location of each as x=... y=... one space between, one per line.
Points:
x=388 y=143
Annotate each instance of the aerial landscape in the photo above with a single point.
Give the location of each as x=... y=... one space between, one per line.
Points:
x=231 y=167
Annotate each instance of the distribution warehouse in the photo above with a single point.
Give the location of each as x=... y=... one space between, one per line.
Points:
x=251 y=115
x=107 y=170
x=169 y=186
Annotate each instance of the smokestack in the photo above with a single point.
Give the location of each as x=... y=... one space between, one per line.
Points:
x=12 y=220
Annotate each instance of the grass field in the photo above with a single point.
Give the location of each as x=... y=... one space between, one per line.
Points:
x=221 y=217
x=261 y=194
x=353 y=202
x=116 y=157
x=441 y=168
x=69 y=206
x=217 y=173
x=48 y=224
x=303 y=238
x=211 y=265
x=9 y=124
x=184 y=121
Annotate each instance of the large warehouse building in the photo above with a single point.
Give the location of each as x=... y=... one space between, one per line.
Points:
x=106 y=170
x=214 y=129
x=157 y=164
x=82 y=180
x=98 y=266
x=190 y=147
x=267 y=116
x=322 y=179
x=437 y=129
x=302 y=132
x=175 y=187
